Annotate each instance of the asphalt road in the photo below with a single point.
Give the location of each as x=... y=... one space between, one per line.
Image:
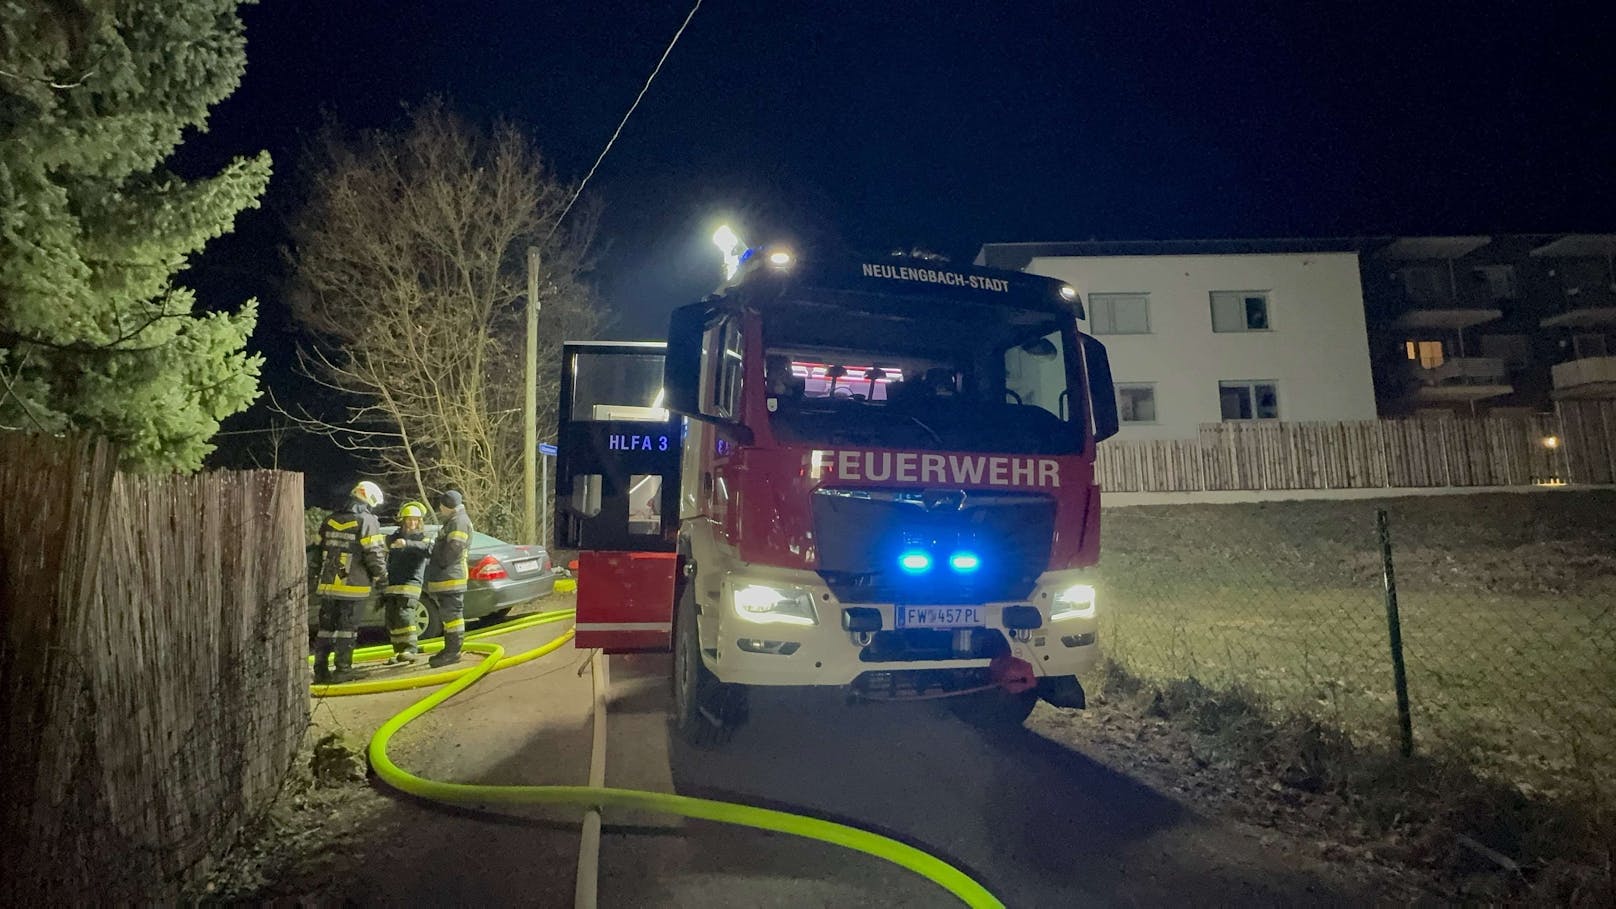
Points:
x=1036 y=822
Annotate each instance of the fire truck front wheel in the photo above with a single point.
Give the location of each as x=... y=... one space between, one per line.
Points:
x=706 y=712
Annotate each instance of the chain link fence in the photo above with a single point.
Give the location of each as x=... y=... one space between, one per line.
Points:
x=1507 y=606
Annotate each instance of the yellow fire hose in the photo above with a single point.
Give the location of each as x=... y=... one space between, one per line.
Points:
x=590 y=797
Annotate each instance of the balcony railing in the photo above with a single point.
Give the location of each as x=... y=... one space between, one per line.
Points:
x=1586 y=371
x=1464 y=371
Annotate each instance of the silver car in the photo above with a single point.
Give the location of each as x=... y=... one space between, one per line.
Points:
x=501 y=576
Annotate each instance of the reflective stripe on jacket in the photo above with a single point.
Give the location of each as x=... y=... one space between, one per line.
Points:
x=406 y=564
x=353 y=557
x=446 y=569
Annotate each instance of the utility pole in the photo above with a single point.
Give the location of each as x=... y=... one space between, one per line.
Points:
x=530 y=416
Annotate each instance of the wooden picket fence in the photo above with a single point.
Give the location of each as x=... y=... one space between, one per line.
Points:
x=1575 y=445
x=1590 y=434
x=153 y=683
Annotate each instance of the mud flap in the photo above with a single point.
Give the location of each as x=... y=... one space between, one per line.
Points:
x=625 y=601
x=1062 y=691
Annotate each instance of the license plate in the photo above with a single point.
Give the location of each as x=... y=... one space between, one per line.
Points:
x=940 y=616
x=526 y=566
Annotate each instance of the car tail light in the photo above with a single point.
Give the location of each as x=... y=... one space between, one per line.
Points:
x=489 y=569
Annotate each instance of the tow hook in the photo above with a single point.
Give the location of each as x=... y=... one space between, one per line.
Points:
x=1012 y=674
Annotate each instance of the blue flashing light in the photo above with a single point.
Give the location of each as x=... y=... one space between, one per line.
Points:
x=965 y=562
x=914 y=561
x=747 y=254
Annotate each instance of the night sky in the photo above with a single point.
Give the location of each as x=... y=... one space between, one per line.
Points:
x=874 y=126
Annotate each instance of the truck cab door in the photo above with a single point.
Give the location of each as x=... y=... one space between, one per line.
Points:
x=617 y=493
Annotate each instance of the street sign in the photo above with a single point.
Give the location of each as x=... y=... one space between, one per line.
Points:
x=547 y=449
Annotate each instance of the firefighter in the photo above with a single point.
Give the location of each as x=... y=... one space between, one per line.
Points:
x=446 y=573
x=353 y=559
x=407 y=551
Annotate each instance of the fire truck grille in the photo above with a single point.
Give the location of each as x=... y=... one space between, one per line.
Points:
x=892 y=546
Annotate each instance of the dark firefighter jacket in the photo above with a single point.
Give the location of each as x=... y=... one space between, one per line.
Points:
x=354 y=559
x=406 y=565
x=446 y=569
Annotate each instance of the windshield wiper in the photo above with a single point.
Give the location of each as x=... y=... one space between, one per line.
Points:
x=935 y=437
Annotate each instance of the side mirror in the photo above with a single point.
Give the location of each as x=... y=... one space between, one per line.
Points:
x=1102 y=392
x=681 y=368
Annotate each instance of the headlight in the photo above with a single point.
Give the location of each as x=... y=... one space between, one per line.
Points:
x=1075 y=602
x=789 y=606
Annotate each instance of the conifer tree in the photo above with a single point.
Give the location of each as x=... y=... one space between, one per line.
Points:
x=95 y=335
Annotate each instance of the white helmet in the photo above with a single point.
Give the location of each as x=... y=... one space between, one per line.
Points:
x=369 y=493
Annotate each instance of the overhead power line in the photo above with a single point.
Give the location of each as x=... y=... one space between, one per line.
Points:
x=619 y=131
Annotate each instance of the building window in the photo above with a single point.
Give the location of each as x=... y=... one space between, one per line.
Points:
x=1427 y=353
x=1514 y=350
x=1239 y=310
x=1590 y=345
x=1425 y=283
x=1119 y=314
x=1497 y=281
x=1136 y=403
x=1249 y=400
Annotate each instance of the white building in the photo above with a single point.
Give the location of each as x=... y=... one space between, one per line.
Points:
x=1204 y=331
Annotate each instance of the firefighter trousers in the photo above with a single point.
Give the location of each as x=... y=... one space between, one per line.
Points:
x=401 y=629
x=339 y=628
x=452 y=609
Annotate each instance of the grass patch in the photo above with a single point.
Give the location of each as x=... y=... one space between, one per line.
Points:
x=1494 y=840
x=1517 y=683
x=1261 y=628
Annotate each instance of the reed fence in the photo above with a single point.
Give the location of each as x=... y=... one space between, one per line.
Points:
x=153 y=687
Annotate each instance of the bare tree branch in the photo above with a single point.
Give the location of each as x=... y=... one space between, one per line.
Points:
x=409 y=261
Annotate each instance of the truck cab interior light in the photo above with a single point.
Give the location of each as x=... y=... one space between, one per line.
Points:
x=915 y=562
x=964 y=562
x=1075 y=602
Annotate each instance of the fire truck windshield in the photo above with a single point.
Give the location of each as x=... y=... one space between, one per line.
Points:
x=1001 y=385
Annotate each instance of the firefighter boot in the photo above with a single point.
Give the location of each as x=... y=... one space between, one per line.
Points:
x=322 y=661
x=345 y=671
x=450 y=654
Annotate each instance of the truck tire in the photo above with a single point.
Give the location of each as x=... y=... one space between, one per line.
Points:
x=994 y=710
x=706 y=712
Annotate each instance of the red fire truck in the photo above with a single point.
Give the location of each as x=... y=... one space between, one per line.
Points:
x=877 y=476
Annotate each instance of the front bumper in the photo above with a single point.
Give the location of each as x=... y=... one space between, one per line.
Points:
x=743 y=651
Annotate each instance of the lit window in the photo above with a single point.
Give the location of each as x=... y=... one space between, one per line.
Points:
x=1136 y=403
x=1249 y=400
x=1119 y=314
x=1239 y=310
x=1427 y=353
